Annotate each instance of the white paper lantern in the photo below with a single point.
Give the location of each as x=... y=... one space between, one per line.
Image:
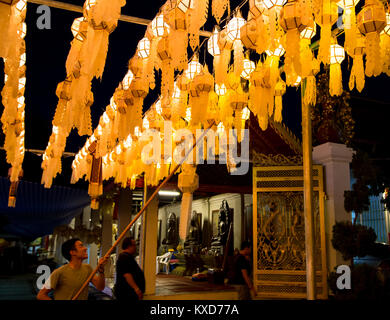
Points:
x=234 y=27
x=220 y=89
x=337 y=54
x=309 y=32
x=127 y=80
x=278 y=52
x=212 y=44
x=144 y=48
x=193 y=69
x=245 y=113
x=159 y=27
x=269 y=4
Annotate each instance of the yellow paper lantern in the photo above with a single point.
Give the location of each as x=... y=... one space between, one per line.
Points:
x=290 y=17
x=144 y=48
x=337 y=54
x=249 y=67
x=159 y=27
x=127 y=80
x=233 y=28
x=79 y=28
x=309 y=32
x=212 y=44
x=256 y=7
x=249 y=34
x=372 y=18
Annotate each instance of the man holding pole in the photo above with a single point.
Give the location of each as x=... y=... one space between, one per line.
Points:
x=68 y=279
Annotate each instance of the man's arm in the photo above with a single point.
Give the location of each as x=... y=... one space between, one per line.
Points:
x=43 y=294
x=248 y=281
x=130 y=280
x=98 y=279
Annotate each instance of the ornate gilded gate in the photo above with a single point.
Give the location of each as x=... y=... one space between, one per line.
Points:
x=279 y=232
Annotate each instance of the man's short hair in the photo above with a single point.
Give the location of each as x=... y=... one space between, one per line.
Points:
x=245 y=244
x=127 y=242
x=67 y=246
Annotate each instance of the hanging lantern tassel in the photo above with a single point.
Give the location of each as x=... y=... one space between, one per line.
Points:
x=328 y=16
x=373 y=57
x=310 y=96
x=188 y=182
x=349 y=19
x=357 y=72
x=95 y=188
x=385 y=54
x=335 y=80
x=280 y=90
x=238 y=57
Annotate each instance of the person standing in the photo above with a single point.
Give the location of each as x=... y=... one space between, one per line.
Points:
x=130 y=279
x=67 y=280
x=242 y=268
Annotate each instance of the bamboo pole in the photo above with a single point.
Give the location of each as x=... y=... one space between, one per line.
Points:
x=107 y=255
x=308 y=196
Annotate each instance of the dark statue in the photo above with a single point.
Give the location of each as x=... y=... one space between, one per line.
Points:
x=193 y=239
x=224 y=219
x=171 y=239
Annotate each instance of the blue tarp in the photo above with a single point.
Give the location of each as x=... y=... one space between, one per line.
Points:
x=38 y=210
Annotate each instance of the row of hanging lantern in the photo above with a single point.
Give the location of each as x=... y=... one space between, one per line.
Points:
x=86 y=60
x=13 y=51
x=197 y=98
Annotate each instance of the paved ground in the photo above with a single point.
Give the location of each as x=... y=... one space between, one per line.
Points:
x=17 y=287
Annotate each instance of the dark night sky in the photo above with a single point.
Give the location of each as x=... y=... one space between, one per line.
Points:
x=46 y=55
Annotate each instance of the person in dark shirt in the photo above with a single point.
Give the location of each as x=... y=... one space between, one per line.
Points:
x=242 y=268
x=130 y=280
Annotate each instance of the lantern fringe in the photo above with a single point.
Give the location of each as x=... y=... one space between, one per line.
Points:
x=335 y=80
x=373 y=59
x=178 y=42
x=306 y=57
x=218 y=8
x=263 y=36
x=196 y=18
x=385 y=53
x=73 y=56
x=325 y=42
x=349 y=19
x=310 y=96
x=357 y=73
x=293 y=50
x=221 y=66
x=238 y=57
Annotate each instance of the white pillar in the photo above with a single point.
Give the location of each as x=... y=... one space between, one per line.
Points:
x=107 y=208
x=336 y=159
x=148 y=244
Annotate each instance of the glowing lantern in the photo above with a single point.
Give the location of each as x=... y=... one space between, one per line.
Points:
x=113 y=104
x=145 y=123
x=21 y=5
x=337 y=55
x=220 y=89
x=79 y=28
x=22 y=83
x=234 y=27
x=137 y=132
x=159 y=27
x=128 y=142
x=88 y=6
x=269 y=4
x=297 y=81
x=194 y=68
x=256 y=7
x=184 y=5
x=144 y=48
x=158 y=107
x=127 y=80
x=22 y=60
x=278 y=52
x=22 y=31
x=212 y=44
x=188 y=114
x=309 y=32
x=387 y=27
x=245 y=114
x=106 y=119
x=290 y=17
x=249 y=67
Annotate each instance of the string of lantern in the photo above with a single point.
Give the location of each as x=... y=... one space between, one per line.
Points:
x=13 y=51
x=274 y=28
